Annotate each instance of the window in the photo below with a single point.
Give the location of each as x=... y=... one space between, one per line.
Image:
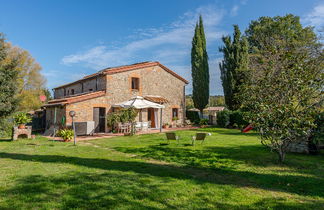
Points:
x=90 y=90
x=174 y=113
x=135 y=83
x=72 y=91
x=64 y=92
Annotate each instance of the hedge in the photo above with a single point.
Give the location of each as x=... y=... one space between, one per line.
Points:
x=193 y=116
x=229 y=118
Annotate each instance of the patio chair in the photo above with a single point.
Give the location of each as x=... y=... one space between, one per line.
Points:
x=138 y=126
x=199 y=137
x=144 y=126
x=172 y=136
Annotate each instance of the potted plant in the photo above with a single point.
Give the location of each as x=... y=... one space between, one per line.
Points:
x=166 y=125
x=66 y=134
x=21 y=119
x=203 y=123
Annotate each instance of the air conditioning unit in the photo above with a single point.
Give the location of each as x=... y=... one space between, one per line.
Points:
x=84 y=128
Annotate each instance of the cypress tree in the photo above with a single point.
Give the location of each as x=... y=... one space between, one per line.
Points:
x=199 y=68
x=234 y=67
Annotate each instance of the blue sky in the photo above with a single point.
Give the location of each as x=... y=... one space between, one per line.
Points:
x=73 y=38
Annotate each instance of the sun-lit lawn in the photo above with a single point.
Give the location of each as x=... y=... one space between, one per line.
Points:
x=229 y=171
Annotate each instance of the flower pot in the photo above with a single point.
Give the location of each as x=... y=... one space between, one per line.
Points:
x=22 y=126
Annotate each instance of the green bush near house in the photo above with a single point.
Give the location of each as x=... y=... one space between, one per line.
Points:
x=318 y=132
x=22 y=118
x=234 y=119
x=66 y=134
x=237 y=119
x=6 y=125
x=193 y=116
x=203 y=122
x=223 y=118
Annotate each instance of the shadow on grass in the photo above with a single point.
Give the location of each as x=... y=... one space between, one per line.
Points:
x=302 y=185
x=226 y=160
x=113 y=190
x=235 y=132
x=5 y=140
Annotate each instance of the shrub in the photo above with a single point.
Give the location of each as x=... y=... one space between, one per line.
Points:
x=318 y=132
x=6 y=125
x=193 y=116
x=66 y=134
x=22 y=118
x=175 y=118
x=223 y=118
x=203 y=122
x=237 y=119
x=121 y=116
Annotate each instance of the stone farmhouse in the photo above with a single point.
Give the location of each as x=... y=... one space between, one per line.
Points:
x=93 y=96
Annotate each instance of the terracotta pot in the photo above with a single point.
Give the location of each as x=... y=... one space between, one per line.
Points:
x=21 y=126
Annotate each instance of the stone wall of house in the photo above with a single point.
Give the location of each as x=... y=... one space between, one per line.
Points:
x=97 y=83
x=153 y=81
x=84 y=109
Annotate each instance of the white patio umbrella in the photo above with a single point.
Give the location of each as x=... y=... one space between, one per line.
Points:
x=139 y=102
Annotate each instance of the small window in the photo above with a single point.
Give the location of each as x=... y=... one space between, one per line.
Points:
x=175 y=113
x=72 y=91
x=64 y=92
x=68 y=92
x=135 y=83
x=90 y=90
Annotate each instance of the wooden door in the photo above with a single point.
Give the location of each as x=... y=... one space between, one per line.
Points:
x=151 y=116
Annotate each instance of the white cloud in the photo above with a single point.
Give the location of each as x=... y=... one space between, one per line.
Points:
x=234 y=10
x=170 y=45
x=315 y=17
x=169 y=42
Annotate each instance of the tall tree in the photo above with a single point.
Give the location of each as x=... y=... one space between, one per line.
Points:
x=286 y=88
x=234 y=67
x=199 y=68
x=30 y=83
x=8 y=82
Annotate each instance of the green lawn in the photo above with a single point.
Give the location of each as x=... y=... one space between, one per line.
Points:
x=230 y=171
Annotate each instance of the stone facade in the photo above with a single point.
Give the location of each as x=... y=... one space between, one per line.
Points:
x=88 y=85
x=153 y=80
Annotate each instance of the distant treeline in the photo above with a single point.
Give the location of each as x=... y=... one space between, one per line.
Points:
x=213 y=101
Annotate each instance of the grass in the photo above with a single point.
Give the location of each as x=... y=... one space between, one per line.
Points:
x=229 y=171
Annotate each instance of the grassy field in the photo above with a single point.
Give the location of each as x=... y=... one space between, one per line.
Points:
x=230 y=171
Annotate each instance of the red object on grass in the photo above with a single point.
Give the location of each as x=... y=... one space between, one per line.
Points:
x=247 y=129
x=42 y=98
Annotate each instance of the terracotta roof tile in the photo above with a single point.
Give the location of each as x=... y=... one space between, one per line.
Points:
x=74 y=99
x=119 y=69
x=156 y=99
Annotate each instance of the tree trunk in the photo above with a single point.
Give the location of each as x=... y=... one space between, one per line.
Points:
x=201 y=114
x=282 y=155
